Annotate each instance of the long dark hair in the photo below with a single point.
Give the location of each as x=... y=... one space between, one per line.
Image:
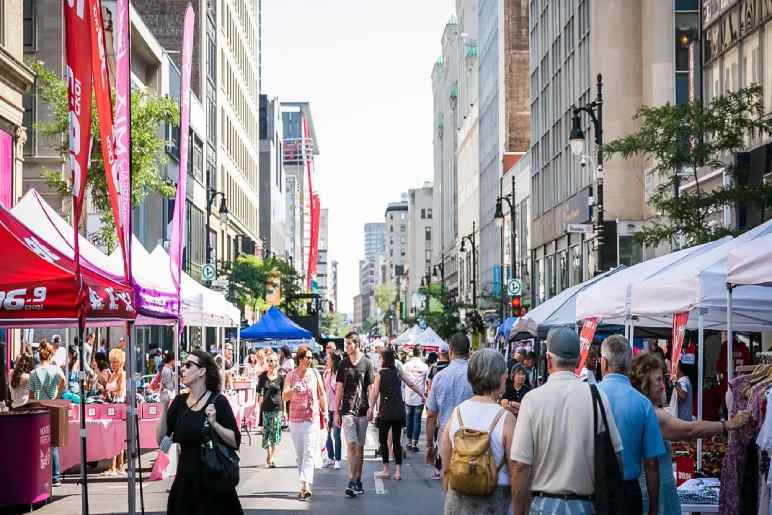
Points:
x=24 y=365
x=212 y=378
x=389 y=357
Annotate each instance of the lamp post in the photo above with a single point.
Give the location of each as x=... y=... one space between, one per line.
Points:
x=499 y=218
x=595 y=111
x=222 y=213
x=472 y=239
x=439 y=270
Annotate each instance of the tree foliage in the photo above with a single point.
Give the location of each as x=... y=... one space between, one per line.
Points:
x=684 y=140
x=333 y=324
x=385 y=296
x=253 y=279
x=438 y=312
x=148 y=115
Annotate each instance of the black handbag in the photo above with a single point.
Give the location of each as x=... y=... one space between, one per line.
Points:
x=609 y=480
x=220 y=462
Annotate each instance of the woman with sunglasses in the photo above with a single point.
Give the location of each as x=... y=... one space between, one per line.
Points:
x=303 y=387
x=184 y=422
x=269 y=389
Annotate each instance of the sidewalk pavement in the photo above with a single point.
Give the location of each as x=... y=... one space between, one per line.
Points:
x=263 y=490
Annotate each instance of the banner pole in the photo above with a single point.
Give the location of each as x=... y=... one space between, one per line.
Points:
x=131 y=424
x=729 y=335
x=83 y=457
x=700 y=380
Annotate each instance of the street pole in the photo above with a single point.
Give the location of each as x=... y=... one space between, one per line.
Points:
x=512 y=208
x=599 y=178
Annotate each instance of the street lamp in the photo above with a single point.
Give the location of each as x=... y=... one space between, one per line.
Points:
x=439 y=271
x=577 y=140
x=471 y=238
x=498 y=217
x=222 y=214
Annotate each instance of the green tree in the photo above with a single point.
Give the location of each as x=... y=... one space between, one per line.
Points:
x=438 y=312
x=253 y=279
x=148 y=115
x=333 y=324
x=385 y=296
x=685 y=140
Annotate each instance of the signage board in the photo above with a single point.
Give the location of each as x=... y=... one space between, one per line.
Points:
x=580 y=228
x=514 y=287
x=208 y=271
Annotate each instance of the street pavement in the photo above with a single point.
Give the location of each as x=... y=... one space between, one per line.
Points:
x=264 y=490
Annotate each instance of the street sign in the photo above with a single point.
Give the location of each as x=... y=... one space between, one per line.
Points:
x=220 y=284
x=514 y=287
x=208 y=271
x=580 y=228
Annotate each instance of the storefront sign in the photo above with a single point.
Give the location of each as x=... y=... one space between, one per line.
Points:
x=585 y=341
x=577 y=208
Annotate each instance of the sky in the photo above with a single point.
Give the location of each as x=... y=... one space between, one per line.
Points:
x=365 y=67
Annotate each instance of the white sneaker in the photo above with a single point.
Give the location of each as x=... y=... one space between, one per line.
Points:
x=327 y=463
x=336 y=465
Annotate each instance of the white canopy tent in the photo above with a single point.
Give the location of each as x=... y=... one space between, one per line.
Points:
x=609 y=300
x=559 y=311
x=408 y=335
x=427 y=339
x=751 y=263
x=699 y=286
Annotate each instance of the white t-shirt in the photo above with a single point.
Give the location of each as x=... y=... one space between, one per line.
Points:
x=60 y=357
x=479 y=416
x=554 y=435
x=418 y=371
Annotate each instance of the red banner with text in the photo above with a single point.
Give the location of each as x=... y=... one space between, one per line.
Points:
x=585 y=341
x=104 y=105
x=679 y=330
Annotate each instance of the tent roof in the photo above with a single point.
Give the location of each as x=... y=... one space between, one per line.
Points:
x=39 y=285
x=749 y=263
x=558 y=311
x=608 y=299
x=274 y=325
x=699 y=284
x=408 y=335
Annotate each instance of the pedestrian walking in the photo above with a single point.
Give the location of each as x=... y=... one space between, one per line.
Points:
x=553 y=451
x=285 y=356
x=449 y=388
x=487 y=375
x=270 y=386
x=185 y=422
x=386 y=391
x=355 y=375
x=516 y=388
x=168 y=382
x=334 y=450
x=73 y=370
x=307 y=401
x=637 y=424
x=414 y=402
x=115 y=391
x=682 y=391
x=47 y=382
x=648 y=376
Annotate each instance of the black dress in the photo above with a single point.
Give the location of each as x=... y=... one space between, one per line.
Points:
x=189 y=494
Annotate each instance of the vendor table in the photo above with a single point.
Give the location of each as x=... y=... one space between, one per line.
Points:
x=699 y=495
x=26 y=464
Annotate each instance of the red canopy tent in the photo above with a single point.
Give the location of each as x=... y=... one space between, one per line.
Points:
x=39 y=286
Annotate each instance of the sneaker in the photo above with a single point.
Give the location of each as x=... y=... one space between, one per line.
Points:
x=336 y=465
x=350 y=489
x=436 y=474
x=358 y=488
x=327 y=463
x=416 y=449
x=56 y=483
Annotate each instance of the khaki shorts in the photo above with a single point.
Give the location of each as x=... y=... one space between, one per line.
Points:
x=355 y=429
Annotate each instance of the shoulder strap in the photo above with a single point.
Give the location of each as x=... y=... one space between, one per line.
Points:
x=597 y=399
x=495 y=421
x=458 y=417
x=593 y=396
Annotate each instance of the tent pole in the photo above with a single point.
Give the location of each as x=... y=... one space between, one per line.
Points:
x=83 y=457
x=238 y=348
x=632 y=334
x=729 y=334
x=700 y=380
x=177 y=342
x=131 y=423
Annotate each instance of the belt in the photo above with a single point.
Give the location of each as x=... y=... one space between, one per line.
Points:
x=565 y=497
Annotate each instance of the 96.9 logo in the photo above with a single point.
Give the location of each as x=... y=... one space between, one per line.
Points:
x=18 y=300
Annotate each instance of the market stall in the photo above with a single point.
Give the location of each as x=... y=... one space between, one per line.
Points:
x=428 y=340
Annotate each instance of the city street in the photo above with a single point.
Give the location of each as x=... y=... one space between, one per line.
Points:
x=273 y=491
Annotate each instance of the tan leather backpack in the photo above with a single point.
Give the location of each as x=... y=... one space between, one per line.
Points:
x=473 y=469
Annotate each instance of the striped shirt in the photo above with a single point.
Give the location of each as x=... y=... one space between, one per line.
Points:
x=44 y=381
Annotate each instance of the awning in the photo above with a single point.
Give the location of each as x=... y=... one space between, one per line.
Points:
x=274 y=325
x=751 y=263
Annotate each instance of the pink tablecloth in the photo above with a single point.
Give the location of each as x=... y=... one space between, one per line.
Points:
x=105 y=438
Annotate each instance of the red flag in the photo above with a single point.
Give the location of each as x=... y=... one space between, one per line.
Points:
x=313 y=251
x=122 y=121
x=585 y=341
x=679 y=329
x=105 y=112
x=79 y=99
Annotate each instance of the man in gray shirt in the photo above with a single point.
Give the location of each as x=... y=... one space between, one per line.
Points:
x=450 y=387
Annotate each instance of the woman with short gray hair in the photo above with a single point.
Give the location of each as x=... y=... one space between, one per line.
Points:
x=487 y=375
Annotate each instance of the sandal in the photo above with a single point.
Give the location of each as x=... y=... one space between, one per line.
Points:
x=307 y=494
x=397 y=477
x=382 y=475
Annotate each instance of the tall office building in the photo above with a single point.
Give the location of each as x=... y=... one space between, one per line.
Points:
x=445 y=74
x=395 y=234
x=225 y=75
x=649 y=66
x=420 y=239
x=273 y=210
x=375 y=245
x=322 y=268
x=300 y=146
x=333 y=296
x=504 y=117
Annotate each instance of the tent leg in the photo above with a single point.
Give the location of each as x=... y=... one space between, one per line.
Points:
x=238 y=348
x=83 y=457
x=177 y=342
x=729 y=334
x=131 y=423
x=700 y=380
x=632 y=334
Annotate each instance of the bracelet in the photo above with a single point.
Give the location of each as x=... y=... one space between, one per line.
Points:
x=723 y=425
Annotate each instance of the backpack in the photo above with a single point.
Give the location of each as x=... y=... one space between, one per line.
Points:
x=473 y=469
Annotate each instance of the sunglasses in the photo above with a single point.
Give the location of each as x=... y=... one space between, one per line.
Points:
x=189 y=364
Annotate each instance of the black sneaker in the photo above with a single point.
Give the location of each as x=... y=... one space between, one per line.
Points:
x=358 y=488
x=351 y=489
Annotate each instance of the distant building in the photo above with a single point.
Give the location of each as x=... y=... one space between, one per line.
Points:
x=420 y=239
x=395 y=234
x=273 y=211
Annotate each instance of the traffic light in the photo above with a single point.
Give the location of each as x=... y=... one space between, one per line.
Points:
x=517 y=306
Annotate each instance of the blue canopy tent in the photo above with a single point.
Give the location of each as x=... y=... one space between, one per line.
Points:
x=274 y=325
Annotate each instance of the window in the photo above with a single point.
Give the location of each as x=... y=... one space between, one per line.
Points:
x=402 y=215
x=30 y=34
x=429 y=213
x=402 y=228
x=391 y=252
x=391 y=216
x=402 y=252
x=423 y=214
x=29 y=121
x=391 y=228
x=428 y=233
x=576 y=264
x=630 y=251
x=563 y=270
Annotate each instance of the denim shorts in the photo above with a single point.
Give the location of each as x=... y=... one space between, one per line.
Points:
x=354 y=429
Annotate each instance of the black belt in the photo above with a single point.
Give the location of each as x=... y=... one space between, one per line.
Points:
x=565 y=497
